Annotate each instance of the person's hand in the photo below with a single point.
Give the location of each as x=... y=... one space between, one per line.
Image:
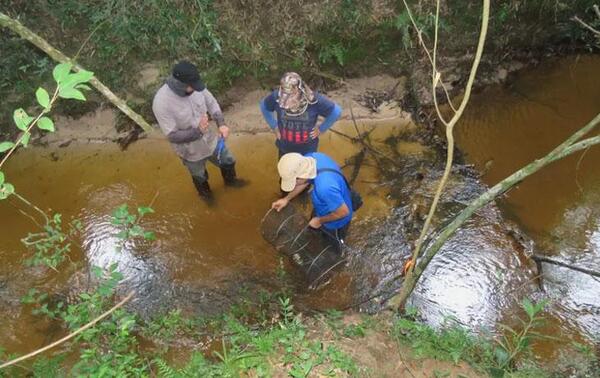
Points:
x=203 y=124
x=224 y=131
x=277 y=133
x=280 y=204
x=315 y=222
x=314 y=134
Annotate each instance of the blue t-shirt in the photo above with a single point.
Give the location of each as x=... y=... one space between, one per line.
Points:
x=296 y=129
x=330 y=191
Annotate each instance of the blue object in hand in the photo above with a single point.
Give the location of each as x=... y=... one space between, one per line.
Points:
x=220 y=147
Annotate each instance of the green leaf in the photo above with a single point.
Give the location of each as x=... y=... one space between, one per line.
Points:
x=528 y=307
x=83 y=86
x=25 y=139
x=70 y=92
x=5 y=146
x=74 y=79
x=1 y=177
x=42 y=97
x=46 y=123
x=541 y=305
x=117 y=276
x=22 y=119
x=149 y=235
x=85 y=296
x=136 y=230
x=501 y=356
x=122 y=234
x=121 y=211
x=6 y=190
x=143 y=210
x=61 y=72
x=98 y=272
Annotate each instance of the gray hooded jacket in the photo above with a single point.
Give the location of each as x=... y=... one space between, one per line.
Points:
x=178 y=116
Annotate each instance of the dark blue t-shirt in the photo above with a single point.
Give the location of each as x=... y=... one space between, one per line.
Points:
x=297 y=129
x=330 y=191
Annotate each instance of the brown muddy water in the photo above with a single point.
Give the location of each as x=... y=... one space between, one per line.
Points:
x=504 y=128
x=203 y=257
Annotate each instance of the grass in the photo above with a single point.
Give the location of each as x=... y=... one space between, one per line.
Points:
x=282 y=342
x=505 y=355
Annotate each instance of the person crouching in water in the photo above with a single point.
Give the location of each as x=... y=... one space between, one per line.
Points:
x=297 y=109
x=331 y=198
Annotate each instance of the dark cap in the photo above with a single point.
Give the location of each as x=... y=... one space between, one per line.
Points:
x=187 y=73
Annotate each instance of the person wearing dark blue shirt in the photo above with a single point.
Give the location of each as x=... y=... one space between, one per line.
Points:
x=297 y=109
x=331 y=198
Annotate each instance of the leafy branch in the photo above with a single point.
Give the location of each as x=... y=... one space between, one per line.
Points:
x=514 y=343
x=68 y=86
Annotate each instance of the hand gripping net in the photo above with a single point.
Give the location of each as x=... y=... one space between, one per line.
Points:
x=288 y=231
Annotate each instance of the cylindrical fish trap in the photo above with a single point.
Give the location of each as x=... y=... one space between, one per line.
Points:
x=288 y=231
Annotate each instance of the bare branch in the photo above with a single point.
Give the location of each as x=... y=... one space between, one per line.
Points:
x=42 y=44
x=450 y=127
x=69 y=336
x=587 y=26
x=420 y=36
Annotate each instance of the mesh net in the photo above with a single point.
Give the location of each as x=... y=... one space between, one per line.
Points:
x=288 y=231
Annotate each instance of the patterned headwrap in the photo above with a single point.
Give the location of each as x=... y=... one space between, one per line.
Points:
x=294 y=95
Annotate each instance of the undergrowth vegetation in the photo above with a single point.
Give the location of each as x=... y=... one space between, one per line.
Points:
x=235 y=39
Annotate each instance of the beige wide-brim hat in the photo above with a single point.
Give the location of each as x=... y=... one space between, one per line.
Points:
x=292 y=166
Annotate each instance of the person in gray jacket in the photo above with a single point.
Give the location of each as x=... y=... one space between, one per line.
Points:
x=180 y=107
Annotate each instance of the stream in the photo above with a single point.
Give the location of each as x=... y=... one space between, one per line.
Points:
x=205 y=258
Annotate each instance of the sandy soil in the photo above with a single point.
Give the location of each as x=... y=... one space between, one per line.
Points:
x=242 y=116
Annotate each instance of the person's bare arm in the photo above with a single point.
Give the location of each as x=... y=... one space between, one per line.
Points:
x=338 y=213
x=283 y=202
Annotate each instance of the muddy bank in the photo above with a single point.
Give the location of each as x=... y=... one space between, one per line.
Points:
x=382 y=93
x=323 y=41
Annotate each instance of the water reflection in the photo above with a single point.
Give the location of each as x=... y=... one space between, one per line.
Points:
x=560 y=205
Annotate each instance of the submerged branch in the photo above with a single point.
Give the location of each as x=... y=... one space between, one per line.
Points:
x=564 y=265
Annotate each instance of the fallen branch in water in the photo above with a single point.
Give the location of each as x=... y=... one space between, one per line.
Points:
x=571 y=145
x=358 y=162
x=69 y=336
x=361 y=139
x=58 y=56
x=548 y=260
